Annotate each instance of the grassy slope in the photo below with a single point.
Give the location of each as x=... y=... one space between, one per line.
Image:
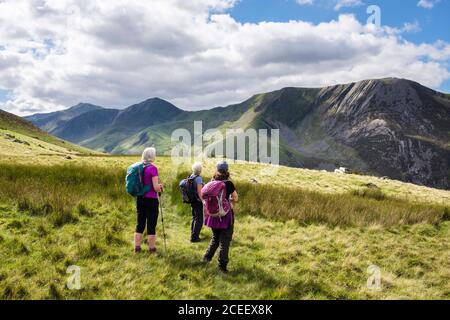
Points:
x=127 y=139
x=43 y=232
x=39 y=141
x=158 y=136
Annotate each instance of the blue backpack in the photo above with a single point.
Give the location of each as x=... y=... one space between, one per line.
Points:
x=188 y=189
x=134 y=181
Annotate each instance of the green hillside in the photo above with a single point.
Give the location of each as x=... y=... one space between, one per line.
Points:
x=18 y=136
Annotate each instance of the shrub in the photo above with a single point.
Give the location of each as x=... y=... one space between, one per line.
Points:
x=15 y=224
x=63 y=217
x=91 y=250
x=85 y=211
x=371 y=193
x=54 y=293
x=23 y=205
x=14 y=292
x=113 y=239
x=446 y=215
x=18 y=247
x=33 y=208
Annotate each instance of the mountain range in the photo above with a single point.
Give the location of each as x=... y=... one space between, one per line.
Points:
x=386 y=127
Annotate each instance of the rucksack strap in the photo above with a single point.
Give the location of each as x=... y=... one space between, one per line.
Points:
x=193 y=177
x=143 y=175
x=194 y=183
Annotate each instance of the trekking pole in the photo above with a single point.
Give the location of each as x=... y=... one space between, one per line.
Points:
x=162 y=220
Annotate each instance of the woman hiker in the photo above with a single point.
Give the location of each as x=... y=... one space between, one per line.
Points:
x=197 y=205
x=148 y=205
x=222 y=228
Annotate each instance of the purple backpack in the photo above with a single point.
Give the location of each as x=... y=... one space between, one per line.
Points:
x=215 y=202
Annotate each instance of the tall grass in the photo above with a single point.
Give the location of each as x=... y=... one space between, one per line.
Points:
x=363 y=207
x=65 y=192
x=62 y=192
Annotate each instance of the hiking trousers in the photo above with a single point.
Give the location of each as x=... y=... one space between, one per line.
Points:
x=197 y=220
x=221 y=240
x=147 y=215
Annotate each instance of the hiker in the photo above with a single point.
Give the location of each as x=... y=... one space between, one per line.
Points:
x=196 y=203
x=222 y=224
x=148 y=205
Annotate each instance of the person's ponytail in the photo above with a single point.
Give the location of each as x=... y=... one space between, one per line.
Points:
x=221 y=176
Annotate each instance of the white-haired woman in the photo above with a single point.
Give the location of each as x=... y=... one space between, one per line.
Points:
x=148 y=205
x=197 y=205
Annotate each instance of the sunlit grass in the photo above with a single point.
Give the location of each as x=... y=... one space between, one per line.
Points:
x=360 y=207
x=299 y=235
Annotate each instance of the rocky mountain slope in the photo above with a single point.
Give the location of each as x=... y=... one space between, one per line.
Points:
x=389 y=127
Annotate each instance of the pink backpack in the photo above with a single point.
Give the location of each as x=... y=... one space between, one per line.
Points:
x=215 y=202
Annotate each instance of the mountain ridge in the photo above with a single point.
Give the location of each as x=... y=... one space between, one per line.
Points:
x=385 y=127
x=52 y=121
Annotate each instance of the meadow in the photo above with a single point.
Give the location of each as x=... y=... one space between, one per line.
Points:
x=299 y=235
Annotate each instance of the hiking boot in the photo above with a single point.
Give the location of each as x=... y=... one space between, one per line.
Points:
x=197 y=240
x=206 y=259
x=137 y=250
x=223 y=268
x=152 y=250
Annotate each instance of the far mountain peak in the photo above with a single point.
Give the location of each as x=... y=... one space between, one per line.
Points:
x=85 y=107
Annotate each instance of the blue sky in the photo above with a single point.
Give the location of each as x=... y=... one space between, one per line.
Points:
x=433 y=23
x=3 y=95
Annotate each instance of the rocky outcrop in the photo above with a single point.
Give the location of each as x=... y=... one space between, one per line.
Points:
x=398 y=128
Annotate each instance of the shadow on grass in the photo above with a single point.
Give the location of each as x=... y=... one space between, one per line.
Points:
x=239 y=275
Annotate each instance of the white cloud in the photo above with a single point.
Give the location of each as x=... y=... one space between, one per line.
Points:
x=337 y=4
x=428 y=4
x=411 y=27
x=115 y=53
x=347 y=3
x=305 y=2
x=407 y=27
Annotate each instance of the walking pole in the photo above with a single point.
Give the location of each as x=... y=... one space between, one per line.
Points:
x=162 y=220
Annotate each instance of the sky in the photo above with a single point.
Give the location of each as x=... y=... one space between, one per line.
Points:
x=206 y=53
